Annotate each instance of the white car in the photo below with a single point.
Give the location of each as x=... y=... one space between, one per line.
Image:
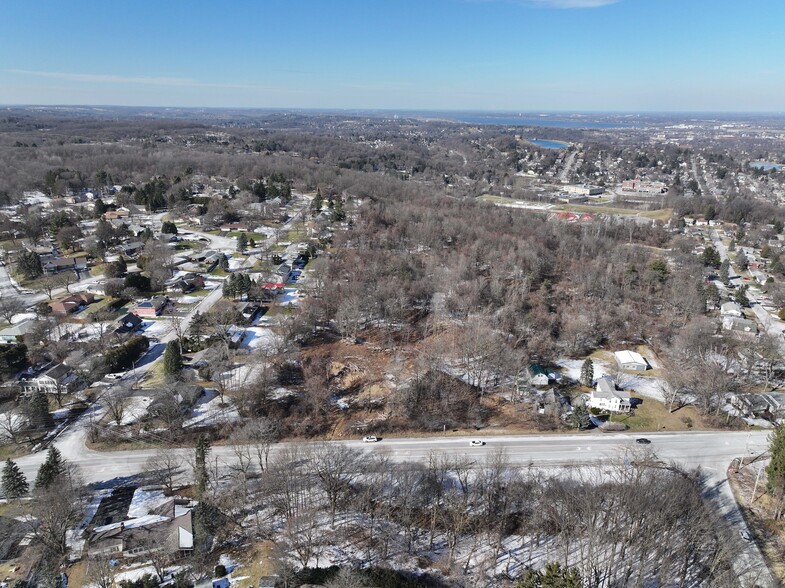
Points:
x=477 y=443
x=745 y=535
x=370 y=439
x=114 y=376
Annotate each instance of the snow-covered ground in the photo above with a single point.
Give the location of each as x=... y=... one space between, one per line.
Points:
x=648 y=386
x=22 y=316
x=208 y=411
x=135 y=409
x=188 y=299
x=157 y=328
x=260 y=337
x=289 y=296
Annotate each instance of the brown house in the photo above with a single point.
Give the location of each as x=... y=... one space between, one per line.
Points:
x=72 y=303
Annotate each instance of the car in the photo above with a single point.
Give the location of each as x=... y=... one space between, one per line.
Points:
x=745 y=535
x=476 y=443
x=114 y=376
x=643 y=441
x=370 y=439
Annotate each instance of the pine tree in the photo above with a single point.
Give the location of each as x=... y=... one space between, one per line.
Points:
x=173 y=359
x=200 y=465
x=223 y=262
x=725 y=272
x=52 y=468
x=587 y=373
x=13 y=481
x=37 y=409
x=242 y=242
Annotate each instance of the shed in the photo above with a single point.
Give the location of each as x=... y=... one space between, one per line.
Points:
x=631 y=360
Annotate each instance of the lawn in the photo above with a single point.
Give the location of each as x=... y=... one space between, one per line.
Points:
x=652 y=415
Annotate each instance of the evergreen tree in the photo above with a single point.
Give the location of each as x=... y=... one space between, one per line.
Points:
x=37 y=411
x=725 y=272
x=317 y=203
x=711 y=257
x=200 y=465
x=52 y=468
x=14 y=482
x=587 y=373
x=173 y=359
x=775 y=471
x=580 y=417
x=242 y=242
x=554 y=576
x=28 y=263
x=740 y=296
x=223 y=262
x=741 y=261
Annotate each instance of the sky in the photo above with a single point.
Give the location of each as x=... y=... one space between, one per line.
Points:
x=497 y=55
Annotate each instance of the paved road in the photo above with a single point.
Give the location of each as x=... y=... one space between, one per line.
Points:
x=712 y=451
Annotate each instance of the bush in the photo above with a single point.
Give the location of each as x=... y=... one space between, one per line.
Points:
x=124 y=356
x=220 y=571
x=138 y=281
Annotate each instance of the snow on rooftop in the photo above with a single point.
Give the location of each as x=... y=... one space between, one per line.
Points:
x=144 y=501
x=136 y=523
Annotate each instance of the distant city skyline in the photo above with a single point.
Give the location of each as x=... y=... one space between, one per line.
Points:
x=478 y=55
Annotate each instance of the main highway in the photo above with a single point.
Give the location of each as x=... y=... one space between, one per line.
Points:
x=713 y=452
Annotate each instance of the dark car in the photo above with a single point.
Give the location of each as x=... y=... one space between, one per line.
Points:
x=642 y=440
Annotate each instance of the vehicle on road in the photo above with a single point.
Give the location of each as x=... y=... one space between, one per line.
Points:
x=114 y=376
x=643 y=441
x=370 y=439
x=745 y=535
x=477 y=443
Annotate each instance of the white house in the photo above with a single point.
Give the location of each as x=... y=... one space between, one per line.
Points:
x=740 y=325
x=606 y=397
x=731 y=308
x=631 y=360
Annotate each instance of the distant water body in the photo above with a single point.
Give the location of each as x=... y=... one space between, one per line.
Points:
x=543 y=121
x=549 y=144
x=766 y=165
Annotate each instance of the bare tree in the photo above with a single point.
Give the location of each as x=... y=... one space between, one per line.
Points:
x=165 y=467
x=100 y=572
x=10 y=306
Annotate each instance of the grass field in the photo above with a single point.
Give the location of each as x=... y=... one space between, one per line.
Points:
x=662 y=214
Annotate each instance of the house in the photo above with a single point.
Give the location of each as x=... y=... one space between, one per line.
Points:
x=128 y=324
x=15 y=333
x=54 y=378
x=187 y=283
x=120 y=213
x=283 y=270
x=60 y=264
x=167 y=528
x=132 y=249
x=72 y=303
x=537 y=375
x=731 y=308
x=227 y=227
x=631 y=360
x=152 y=307
x=740 y=325
x=605 y=397
x=249 y=310
x=771 y=405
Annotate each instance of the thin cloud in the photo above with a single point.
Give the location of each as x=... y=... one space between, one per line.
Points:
x=555 y=3
x=134 y=80
x=573 y=3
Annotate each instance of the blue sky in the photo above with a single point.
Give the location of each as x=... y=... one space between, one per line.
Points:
x=514 y=55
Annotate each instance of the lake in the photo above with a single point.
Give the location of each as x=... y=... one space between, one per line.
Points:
x=549 y=144
x=766 y=165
